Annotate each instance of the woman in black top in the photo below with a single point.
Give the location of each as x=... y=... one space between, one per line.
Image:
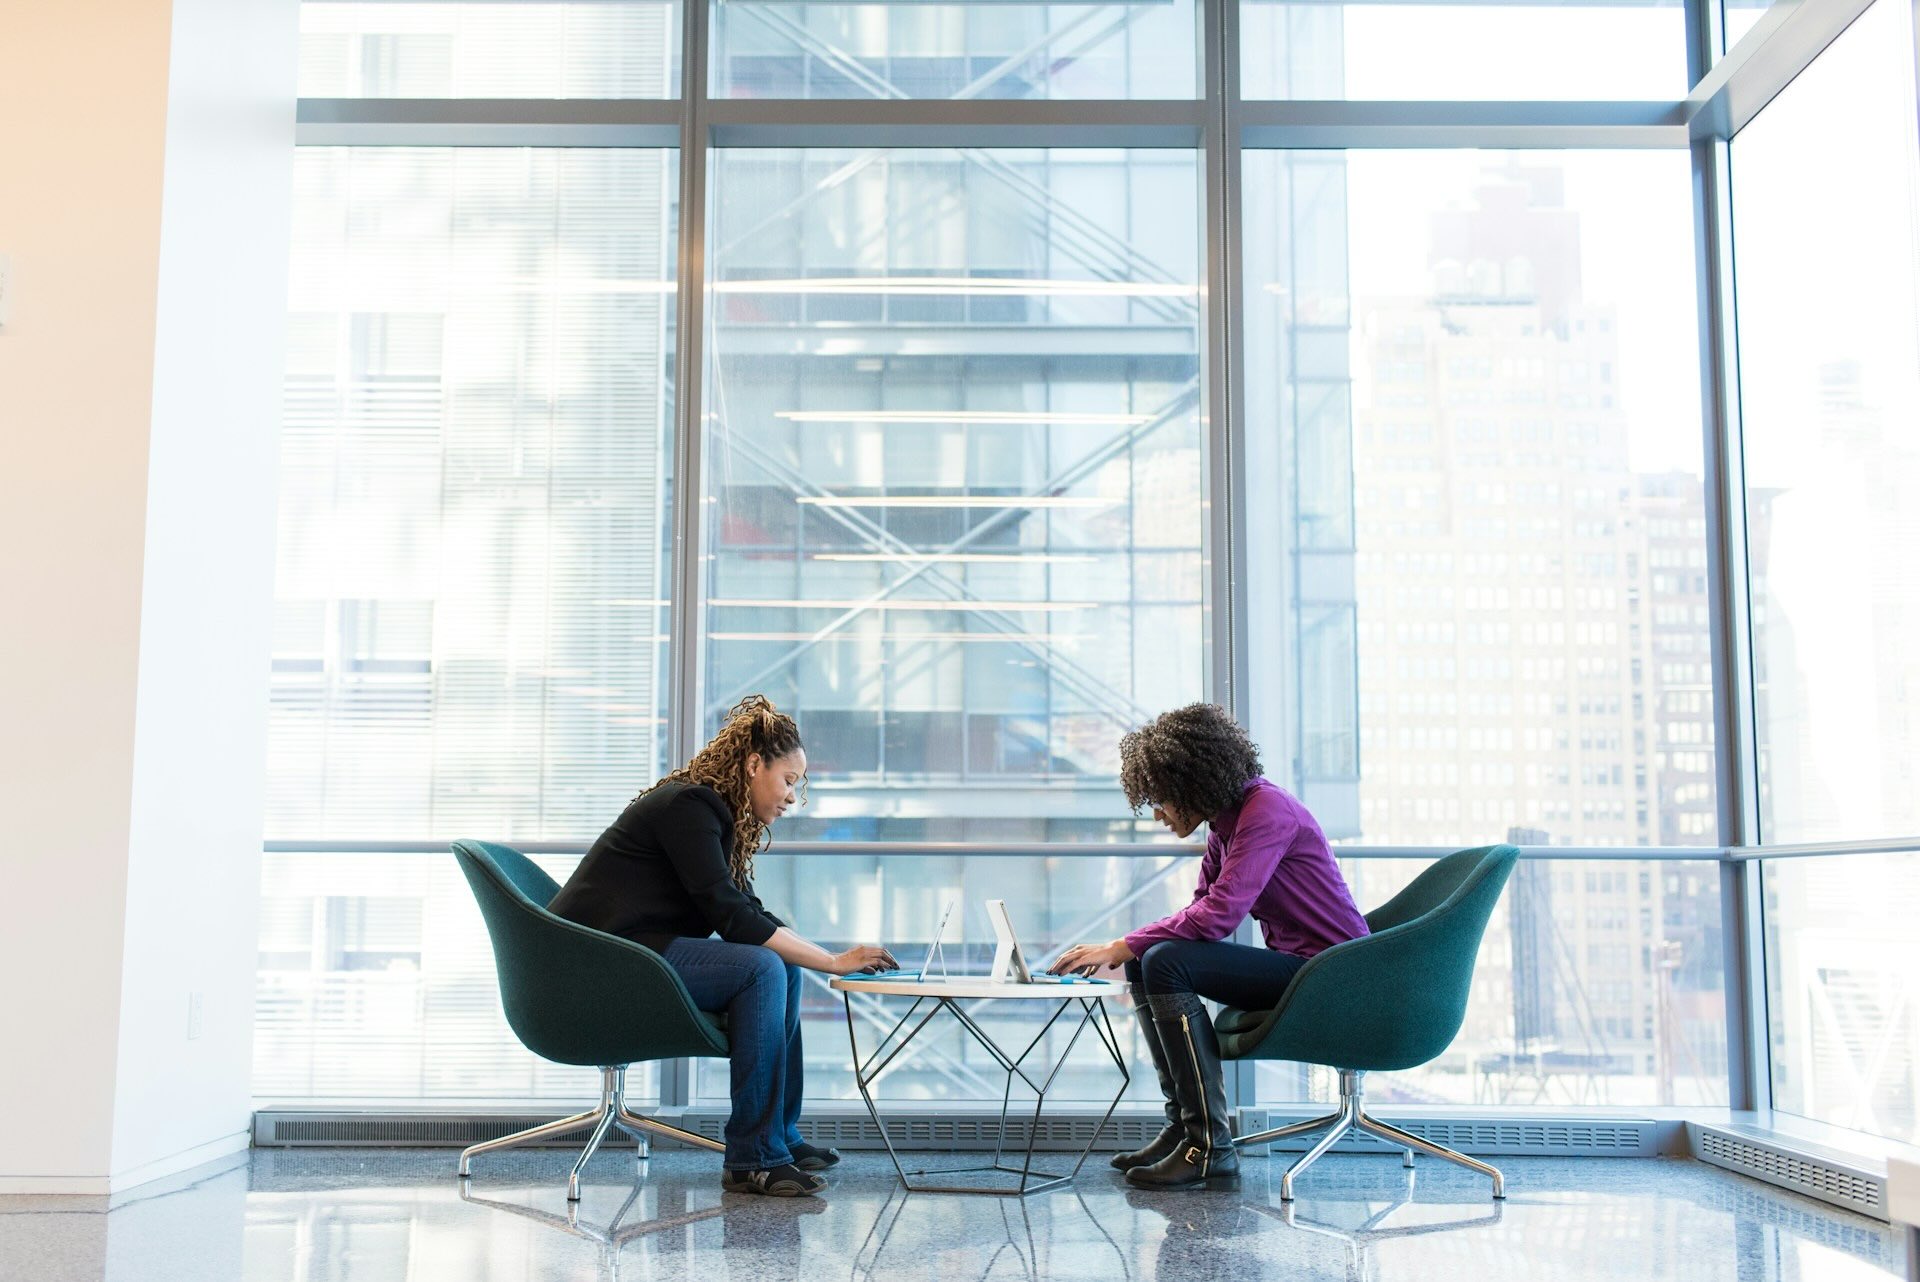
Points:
x=675 y=869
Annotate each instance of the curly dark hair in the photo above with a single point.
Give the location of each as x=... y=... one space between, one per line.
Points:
x=1196 y=759
x=753 y=725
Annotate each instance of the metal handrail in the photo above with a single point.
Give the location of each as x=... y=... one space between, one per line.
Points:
x=1138 y=850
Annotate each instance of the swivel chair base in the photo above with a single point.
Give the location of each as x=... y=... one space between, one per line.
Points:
x=1352 y=1116
x=610 y=1112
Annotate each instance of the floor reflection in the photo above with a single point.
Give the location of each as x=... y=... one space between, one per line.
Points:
x=618 y=1231
x=1358 y=1225
x=1048 y=1236
x=392 y=1216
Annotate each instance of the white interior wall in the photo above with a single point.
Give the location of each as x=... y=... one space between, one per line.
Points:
x=143 y=203
x=200 y=724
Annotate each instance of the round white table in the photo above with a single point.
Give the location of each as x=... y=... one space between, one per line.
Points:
x=946 y=993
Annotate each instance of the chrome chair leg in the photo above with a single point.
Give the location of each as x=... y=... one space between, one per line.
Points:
x=1284 y=1132
x=1353 y=1114
x=1410 y=1141
x=615 y=1092
x=633 y=1124
x=642 y=1146
x=573 y=1176
x=528 y=1136
x=642 y=1149
x=610 y=1112
x=1342 y=1124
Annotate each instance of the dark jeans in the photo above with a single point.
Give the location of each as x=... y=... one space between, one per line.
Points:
x=1236 y=974
x=760 y=996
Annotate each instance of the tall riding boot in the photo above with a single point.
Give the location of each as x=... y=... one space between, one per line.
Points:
x=1206 y=1156
x=1171 y=1134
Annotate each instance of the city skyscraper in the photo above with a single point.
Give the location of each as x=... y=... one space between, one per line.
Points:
x=1532 y=646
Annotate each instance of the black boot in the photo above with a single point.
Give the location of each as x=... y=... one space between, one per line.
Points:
x=1206 y=1156
x=1171 y=1134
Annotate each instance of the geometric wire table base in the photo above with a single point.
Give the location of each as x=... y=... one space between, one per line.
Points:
x=867 y=1072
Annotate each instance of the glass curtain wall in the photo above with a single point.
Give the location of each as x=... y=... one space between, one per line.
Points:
x=1470 y=381
x=954 y=476
x=1827 y=277
x=955 y=51
x=1830 y=395
x=1598 y=984
x=470 y=636
x=1443 y=50
x=489 y=49
x=963 y=411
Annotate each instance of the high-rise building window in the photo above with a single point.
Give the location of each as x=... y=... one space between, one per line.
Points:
x=1829 y=327
x=958 y=50
x=955 y=476
x=1539 y=50
x=1473 y=429
x=470 y=636
x=489 y=49
x=1015 y=423
x=1827 y=287
x=1843 y=988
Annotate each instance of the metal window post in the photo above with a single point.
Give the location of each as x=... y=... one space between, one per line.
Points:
x=689 y=385
x=684 y=630
x=1730 y=631
x=1226 y=676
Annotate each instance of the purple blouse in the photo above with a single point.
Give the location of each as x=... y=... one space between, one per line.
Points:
x=1266 y=856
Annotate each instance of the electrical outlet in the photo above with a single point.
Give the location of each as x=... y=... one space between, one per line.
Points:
x=194 y=1005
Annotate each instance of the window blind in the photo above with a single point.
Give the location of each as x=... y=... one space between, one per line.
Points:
x=468 y=636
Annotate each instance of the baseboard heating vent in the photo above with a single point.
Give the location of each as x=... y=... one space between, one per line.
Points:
x=290 y=1128
x=1832 y=1182
x=277 y=1129
x=960 y=1132
x=1486 y=1137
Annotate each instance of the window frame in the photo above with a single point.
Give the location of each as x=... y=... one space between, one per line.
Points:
x=1728 y=87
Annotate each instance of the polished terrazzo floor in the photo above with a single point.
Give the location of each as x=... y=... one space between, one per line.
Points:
x=400 y=1216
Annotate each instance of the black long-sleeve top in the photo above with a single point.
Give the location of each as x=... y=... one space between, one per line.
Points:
x=660 y=873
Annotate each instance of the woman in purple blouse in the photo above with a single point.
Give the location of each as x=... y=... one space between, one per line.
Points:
x=1265 y=856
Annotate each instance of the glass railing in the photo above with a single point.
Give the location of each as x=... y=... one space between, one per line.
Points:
x=377 y=985
x=1599 y=982
x=1843 y=990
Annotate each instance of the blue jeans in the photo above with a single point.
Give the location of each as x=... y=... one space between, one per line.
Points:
x=1235 y=974
x=760 y=996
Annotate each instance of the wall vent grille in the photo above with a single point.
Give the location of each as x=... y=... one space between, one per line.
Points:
x=295 y=1129
x=1511 y=1137
x=350 y=1130
x=1836 y=1185
x=957 y=1131
x=291 y=1128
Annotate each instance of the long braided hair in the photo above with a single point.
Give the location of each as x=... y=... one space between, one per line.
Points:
x=1195 y=758
x=753 y=725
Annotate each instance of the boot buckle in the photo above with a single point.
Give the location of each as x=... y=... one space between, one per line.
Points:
x=1194 y=1155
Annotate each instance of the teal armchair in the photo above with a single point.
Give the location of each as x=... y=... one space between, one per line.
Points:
x=580 y=996
x=1390 y=1001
